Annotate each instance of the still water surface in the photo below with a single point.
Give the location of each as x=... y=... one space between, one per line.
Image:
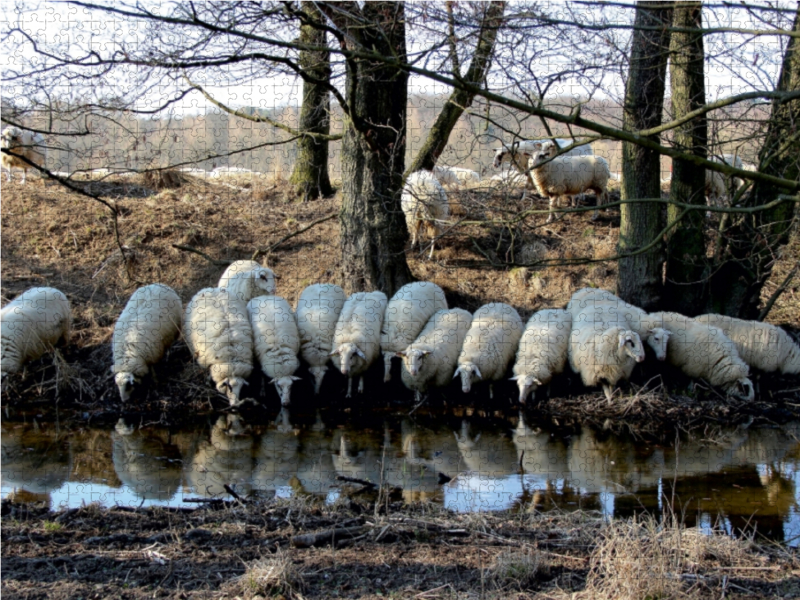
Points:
x=734 y=479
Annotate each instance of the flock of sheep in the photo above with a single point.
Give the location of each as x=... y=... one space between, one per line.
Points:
x=229 y=327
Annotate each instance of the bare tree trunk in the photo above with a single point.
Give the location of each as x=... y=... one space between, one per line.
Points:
x=460 y=99
x=373 y=228
x=640 y=276
x=310 y=176
x=686 y=285
x=755 y=241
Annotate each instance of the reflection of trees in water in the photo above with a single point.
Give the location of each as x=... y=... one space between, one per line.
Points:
x=36 y=460
x=145 y=464
x=226 y=459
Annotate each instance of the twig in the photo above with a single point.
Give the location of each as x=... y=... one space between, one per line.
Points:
x=219 y=263
x=269 y=250
x=363 y=482
x=231 y=491
x=776 y=294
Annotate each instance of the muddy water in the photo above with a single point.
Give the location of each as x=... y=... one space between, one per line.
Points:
x=732 y=479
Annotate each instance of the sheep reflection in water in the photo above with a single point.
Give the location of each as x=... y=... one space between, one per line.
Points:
x=35 y=461
x=227 y=459
x=144 y=464
x=276 y=458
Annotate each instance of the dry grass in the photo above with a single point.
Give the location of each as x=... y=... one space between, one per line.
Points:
x=272 y=576
x=519 y=569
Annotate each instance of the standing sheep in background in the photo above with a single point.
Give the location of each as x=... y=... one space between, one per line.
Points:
x=23 y=143
x=701 y=350
x=246 y=279
x=149 y=324
x=357 y=338
x=277 y=341
x=521 y=152
x=456 y=177
x=489 y=345
x=406 y=314
x=430 y=360
x=32 y=324
x=218 y=334
x=318 y=310
x=760 y=345
x=424 y=201
x=542 y=351
x=569 y=175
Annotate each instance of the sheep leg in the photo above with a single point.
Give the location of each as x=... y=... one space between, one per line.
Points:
x=349 y=387
x=417 y=396
x=361 y=385
x=387 y=367
x=24 y=175
x=550 y=216
x=609 y=391
x=8 y=174
x=491 y=391
x=415 y=234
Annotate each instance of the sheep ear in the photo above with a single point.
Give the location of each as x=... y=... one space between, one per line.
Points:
x=334 y=353
x=400 y=353
x=621 y=341
x=650 y=331
x=426 y=352
x=361 y=354
x=536 y=379
x=295 y=378
x=478 y=372
x=514 y=378
x=271 y=381
x=456 y=374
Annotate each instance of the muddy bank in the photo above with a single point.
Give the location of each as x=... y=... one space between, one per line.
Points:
x=378 y=549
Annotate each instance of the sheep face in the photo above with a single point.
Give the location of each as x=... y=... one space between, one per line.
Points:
x=469 y=374
x=318 y=373
x=657 y=339
x=412 y=359
x=125 y=382
x=284 y=387
x=350 y=356
x=265 y=280
x=527 y=384
x=11 y=138
x=512 y=154
x=742 y=388
x=231 y=387
x=631 y=344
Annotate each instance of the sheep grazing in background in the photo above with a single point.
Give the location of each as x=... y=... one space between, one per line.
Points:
x=318 y=310
x=635 y=317
x=22 y=143
x=701 y=350
x=603 y=346
x=760 y=345
x=424 y=201
x=489 y=346
x=31 y=325
x=357 y=338
x=430 y=360
x=246 y=279
x=277 y=341
x=456 y=177
x=218 y=334
x=406 y=314
x=147 y=327
x=542 y=350
x=569 y=175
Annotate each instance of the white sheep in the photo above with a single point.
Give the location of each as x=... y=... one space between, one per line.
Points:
x=32 y=324
x=701 y=350
x=357 y=338
x=456 y=177
x=277 y=341
x=406 y=314
x=542 y=350
x=635 y=317
x=318 y=310
x=521 y=152
x=569 y=175
x=430 y=360
x=149 y=324
x=760 y=345
x=23 y=143
x=218 y=334
x=246 y=279
x=489 y=346
x=424 y=201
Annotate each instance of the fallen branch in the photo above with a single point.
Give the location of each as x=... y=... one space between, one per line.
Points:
x=218 y=263
x=363 y=482
x=269 y=250
x=781 y=288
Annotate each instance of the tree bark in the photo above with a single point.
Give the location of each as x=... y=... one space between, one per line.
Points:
x=310 y=176
x=755 y=240
x=686 y=285
x=461 y=99
x=640 y=276
x=373 y=228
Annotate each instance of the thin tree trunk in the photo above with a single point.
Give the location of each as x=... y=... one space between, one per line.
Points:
x=460 y=99
x=373 y=229
x=756 y=240
x=310 y=176
x=686 y=285
x=640 y=276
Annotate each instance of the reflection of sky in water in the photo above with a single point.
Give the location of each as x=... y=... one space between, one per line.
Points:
x=756 y=476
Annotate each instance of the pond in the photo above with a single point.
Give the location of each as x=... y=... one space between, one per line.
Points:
x=735 y=479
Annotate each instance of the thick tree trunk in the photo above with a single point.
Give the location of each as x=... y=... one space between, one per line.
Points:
x=373 y=228
x=686 y=285
x=755 y=240
x=640 y=276
x=460 y=100
x=310 y=176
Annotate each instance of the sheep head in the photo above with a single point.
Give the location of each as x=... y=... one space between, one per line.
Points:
x=284 y=387
x=412 y=359
x=125 y=382
x=515 y=154
x=348 y=354
x=657 y=339
x=526 y=384
x=11 y=137
x=742 y=388
x=631 y=344
x=264 y=280
x=232 y=388
x=469 y=372
x=318 y=373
